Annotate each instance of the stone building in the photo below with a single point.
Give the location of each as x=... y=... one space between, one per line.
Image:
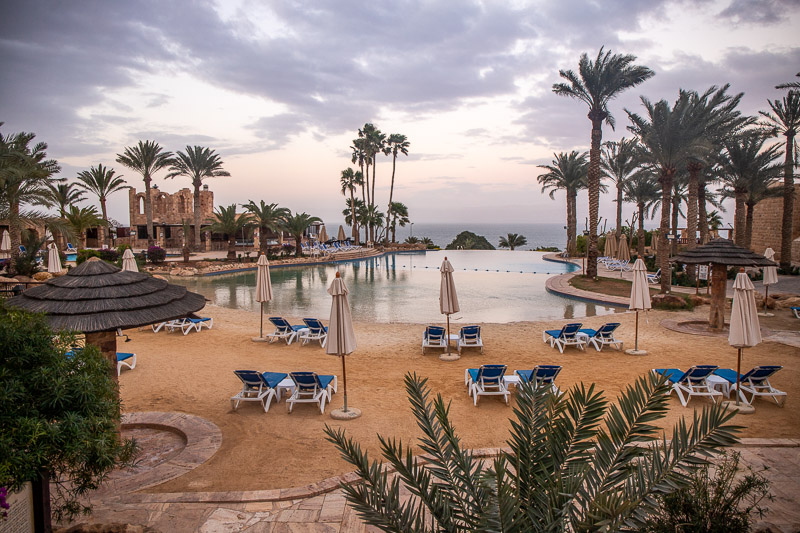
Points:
x=169 y=213
x=767 y=218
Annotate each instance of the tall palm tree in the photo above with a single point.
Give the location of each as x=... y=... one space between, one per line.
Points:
x=61 y=196
x=567 y=172
x=359 y=148
x=596 y=83
x=82 y=219
x=374 y=144
x=396 y=143
x=146 y=158
x=267 y=217
x=296 y=225
x=352 y=216
x=372 y=218
x=24 y=175
x=227 y=222
x=512 y=241
x=747 y=169
x=398 y=216
x=785 y=120
x=620 y=162
x=641 y=189
x=669 y=135
x=349 y=180
x=197 y=163
x=102 y=182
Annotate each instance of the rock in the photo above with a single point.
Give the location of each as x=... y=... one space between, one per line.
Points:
x=42 y=276
x=668 y=301
x=8 y=280
x=187 y=272
x=699 y=300
x=23 y=279
x=174 y=271
x=785 y=303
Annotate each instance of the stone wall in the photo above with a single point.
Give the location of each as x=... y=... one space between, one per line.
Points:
x=168 y=208
x=767 y=218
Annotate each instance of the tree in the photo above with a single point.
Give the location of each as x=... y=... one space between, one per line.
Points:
x=714 y=220
x=197 y=163
x=568 y=172
x=374 y=144
x=24 y=175
x=512 y=241
x=227 y=222
x=620 y=162
x=785 y=120
x=372 y=219
x=790 y=85
x=68 y=437
x=397 y=215
x=642 y=190
x=352 y=215
x=349 y=180
x=360 y=157
x=747 y=170
x=80 y=219
x=574 y=464
x=146 y=158
x=596 y=84
x=296 y=226
x=101 y=181
x=267 y=218
x=396 y=143
x=61 y=196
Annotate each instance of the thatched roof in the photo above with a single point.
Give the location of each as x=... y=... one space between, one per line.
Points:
x=97 y=296
x=724 y=252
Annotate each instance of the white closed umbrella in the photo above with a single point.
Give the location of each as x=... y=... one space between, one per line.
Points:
x=770 y=275
x=263 y=288
x=53 y=261
x=623 y=253
x=5 y=244
x=745 y=331
x=610 y=248
x=640 y=299
x=323 y=234
x=340 y=235
x=341 y=336
x=448 y=300
x=129 y=262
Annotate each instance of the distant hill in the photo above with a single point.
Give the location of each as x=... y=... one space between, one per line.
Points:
x=466 y=240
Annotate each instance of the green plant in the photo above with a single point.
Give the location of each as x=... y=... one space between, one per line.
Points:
x=27 y=263
x=86 y=253
x=575 y=463
x=717 y=500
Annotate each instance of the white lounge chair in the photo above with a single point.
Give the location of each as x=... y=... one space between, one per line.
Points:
x=257 y=387
x=310 y=387
x=755 y=382
x=693 y=382
x=603 y=336
x=486 y=381
x=200 y=323
x=125 y=359
x=470 y=337
x=315 y=331
x=568 y=335
x=434 y=337
x=654 y=278
x=284 y=330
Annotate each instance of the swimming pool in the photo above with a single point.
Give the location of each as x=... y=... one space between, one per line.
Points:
x=493 y=286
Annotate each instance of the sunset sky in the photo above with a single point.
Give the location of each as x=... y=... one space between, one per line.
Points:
x=279 y=89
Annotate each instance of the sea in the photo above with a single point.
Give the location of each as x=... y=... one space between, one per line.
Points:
x=537 y=234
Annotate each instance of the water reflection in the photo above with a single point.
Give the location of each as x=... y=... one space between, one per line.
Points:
x=492 y=287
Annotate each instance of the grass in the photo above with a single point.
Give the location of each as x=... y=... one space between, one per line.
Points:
x=610 y=286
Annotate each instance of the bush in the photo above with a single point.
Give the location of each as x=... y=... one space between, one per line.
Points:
x=109 y=255
x=718 y=503
x=156 y=254
x=85 y=254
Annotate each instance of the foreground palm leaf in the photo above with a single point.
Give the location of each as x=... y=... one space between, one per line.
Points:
x=573 y=464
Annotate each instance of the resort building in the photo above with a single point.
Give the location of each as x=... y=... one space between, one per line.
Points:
x=767 y=225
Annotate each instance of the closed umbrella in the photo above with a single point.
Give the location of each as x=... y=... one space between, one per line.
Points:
x=341 y=236
x=53 y=261
x=5 y=244
x=129 y=262
x=745 y=331
x=610 y=249
x=323 y=235
x=448 y=302
x=640 y=299
x=341 y=337
x=770 y=276
x=623 y=253
x=263 y=288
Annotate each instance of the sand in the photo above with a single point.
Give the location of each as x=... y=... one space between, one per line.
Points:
x=194 y=374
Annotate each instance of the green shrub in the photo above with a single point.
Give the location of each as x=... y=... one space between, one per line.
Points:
x=85 y=254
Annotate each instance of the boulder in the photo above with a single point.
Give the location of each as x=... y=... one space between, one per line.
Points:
x=786 y=303
x=23 y=279
x=668 y=301
x=175 y=272
x=42 y=276
x=699 y=300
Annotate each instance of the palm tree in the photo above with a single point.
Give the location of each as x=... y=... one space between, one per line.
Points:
x=397 y=215
x=397 y=142
x=61 y=196
x=669 y=135
x=372 y=219
x=427 y=241
x=373 y=143
x=197 y=163
x=785 y=120
x=620 y=162
x=714 y=220
x=512 y=241
x=146 y=158
x=349 y=180
x=227 y=222
x=296 y=225
x=568 y=172
x=575 y=463
x=267 y=217
x=596 y=84
x=352 y=217
x=24 y=176
x=360 y=157
x=641 y=189
x=747 y=169
x=101 y=181
x=790 y=85
x=82 y=219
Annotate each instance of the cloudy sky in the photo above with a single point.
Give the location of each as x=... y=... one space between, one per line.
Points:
x=279 y=89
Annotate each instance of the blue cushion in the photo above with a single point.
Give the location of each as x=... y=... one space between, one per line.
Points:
x=324 y=381
x=473 y=374
x=588 y=331
x=673 y=374
x=554 y=332
x=273 y=378
x=196 y=320
x=298 y=328
x=525 y=375
x=121 y=356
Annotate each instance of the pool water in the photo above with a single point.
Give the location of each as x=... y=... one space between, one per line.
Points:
x=492 y=286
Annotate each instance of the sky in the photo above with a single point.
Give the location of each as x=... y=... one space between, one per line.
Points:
x=279 y=89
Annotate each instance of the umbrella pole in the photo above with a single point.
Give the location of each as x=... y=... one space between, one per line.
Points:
x=344 y=376
x=261 y=330
x=766 y=295
x=738 y=371
x=636 y=342
x=448 y=333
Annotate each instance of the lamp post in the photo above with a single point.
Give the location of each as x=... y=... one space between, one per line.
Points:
x=586 y=251
x=671 y=236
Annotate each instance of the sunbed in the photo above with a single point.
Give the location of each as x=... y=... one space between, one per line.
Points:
x=316 y=332
x=200 y=323
x=654 y=278
x=257 y=386
x=755 y=382
x=71 y=249
x=693 y=382
x=486 y=381
x=469 y=337
x=310 y=387
x=125 y=359
x=434 y=337
x=541 y=375
x=284 y=330
x=796 y=311
x=602 y=336
x=569 y=335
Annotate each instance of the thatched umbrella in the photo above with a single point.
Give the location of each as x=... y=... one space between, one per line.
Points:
x=96 y=298
x=720 y=253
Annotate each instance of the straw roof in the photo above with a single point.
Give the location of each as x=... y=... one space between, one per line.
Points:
x=97 y=296
x=724 y=252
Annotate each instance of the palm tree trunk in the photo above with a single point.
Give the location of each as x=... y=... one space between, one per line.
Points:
x=691 y=213
x=15 y=231
x=594 y=191
x=391 y=189
x=148 y=210
x=619 y=210
x=739 y=217
x=676 y=202
x=368 y=199
x=748 y=224
x=788 y=202
x=353 y=216
x=663 y=243
x=262 y=240
x=298 y=248
x=231 y=247
x=702 y=215
x=572 y=222
x=104 y=234
x=640 y=233
x=196 y=214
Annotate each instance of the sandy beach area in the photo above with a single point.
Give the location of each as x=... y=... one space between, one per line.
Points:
x=194 y=374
